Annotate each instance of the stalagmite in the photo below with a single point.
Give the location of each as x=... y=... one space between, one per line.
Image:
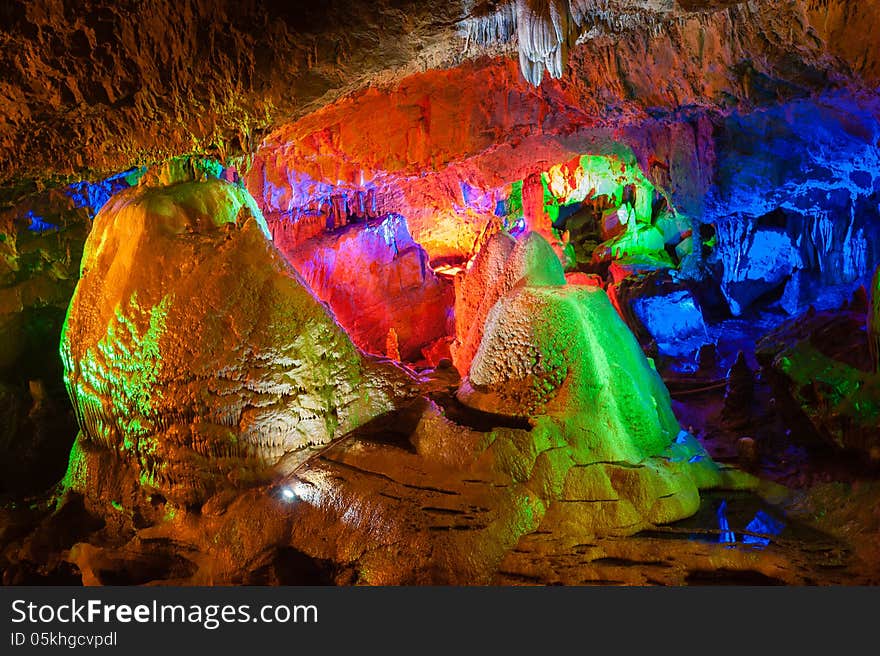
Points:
x=193 y=351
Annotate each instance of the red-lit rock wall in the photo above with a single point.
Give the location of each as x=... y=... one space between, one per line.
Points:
x=443 y=147
x=377 y=281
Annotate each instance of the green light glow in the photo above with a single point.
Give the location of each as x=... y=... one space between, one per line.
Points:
x=551 y=203
x=122 y=370
x=599 y=175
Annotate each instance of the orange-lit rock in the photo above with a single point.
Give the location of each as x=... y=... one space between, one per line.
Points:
x=501 y=264
x=193 y=350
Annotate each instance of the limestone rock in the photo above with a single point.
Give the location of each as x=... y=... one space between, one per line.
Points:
x=500 y=265
x=755 y=261
x=564 y=351
x=675 y=321
x=41 y=239
x=739 y=394
x=874 y=322
x=823 y=379
x=662 y=310
x=194 y=352
x=376 y=279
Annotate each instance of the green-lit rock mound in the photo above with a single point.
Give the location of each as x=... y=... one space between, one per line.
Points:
x=194 y=352
x=564 y=351
x=562 y=357
x=500 y=265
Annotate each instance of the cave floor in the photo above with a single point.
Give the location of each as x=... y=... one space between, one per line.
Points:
x=825 y=506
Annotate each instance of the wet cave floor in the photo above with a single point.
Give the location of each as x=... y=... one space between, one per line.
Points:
x=813 y=520
x=826 y=507
x=821 y=528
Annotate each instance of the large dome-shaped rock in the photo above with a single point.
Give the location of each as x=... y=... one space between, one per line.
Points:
x=194 y=351
x=499 y=266
x=617 y=460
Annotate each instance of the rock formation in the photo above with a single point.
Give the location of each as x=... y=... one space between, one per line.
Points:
x=824 y=379
x=195 y=353
x=501 y=264
x=739 y=394
x=502 y=185
x=562 y=350
x=376 y=279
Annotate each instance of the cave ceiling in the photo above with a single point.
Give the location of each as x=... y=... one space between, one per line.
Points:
x=92 y=88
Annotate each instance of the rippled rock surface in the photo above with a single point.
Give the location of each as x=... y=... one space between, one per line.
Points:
x=195 y=353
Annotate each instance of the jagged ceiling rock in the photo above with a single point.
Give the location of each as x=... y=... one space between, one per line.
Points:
x=129 y=82
x=194 y=352
x=92 y=88
x=545 y=30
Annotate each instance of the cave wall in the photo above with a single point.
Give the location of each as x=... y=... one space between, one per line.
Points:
x=804 y=177
x=363 y=110
x=132 y=82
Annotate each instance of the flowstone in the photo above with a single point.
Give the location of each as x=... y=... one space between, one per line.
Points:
x=195 y=353
x=561 y=356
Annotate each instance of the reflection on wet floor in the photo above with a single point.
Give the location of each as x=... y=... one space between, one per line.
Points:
x=735 y=517
x=755 y=544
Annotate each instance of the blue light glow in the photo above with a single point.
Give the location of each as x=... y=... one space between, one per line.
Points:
x=762 y=523
x=93 y=195
x=674 y=320
x=38 y=225
x=727 y=536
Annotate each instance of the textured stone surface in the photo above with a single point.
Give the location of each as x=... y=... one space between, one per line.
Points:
x=724 y=105
x=821 y=370
x=674 y=321
x=501 y=264
x=408 y=498
x=754 y=262
x=196 y=353
x=41 y=241
x=376 y=279
x=565 y=352
x=135 y=83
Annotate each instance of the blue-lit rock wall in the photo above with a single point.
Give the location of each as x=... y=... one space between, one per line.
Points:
x=796 y=201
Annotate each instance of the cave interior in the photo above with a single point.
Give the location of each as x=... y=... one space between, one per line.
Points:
x=463 y=292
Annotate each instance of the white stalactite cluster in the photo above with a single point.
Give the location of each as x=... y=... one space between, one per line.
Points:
x=545 y=29
x=542 y=31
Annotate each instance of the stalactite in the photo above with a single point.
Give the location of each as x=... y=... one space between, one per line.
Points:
x=545 y=28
